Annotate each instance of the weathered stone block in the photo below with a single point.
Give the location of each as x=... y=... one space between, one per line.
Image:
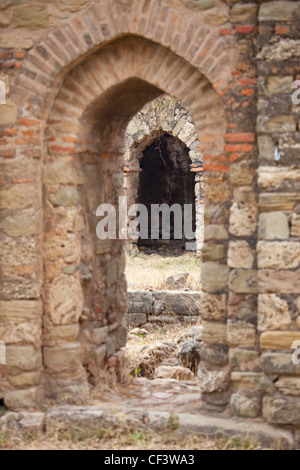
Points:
x=28 y=398
x=187 y=303
x=273 y=313
x=241 y=334
x=278 y=201
x=23 y=357
x=62 y=172
x=243 y=13
x=7 y=3
x=136 y=319
x=18 y=196
x=26 y=379
x=20 y=310
x=243 y=281
x=99 y=335
x=64 y=300
x=216 y=354
x=139 y=301
x=215 y=232
x=247 y=380
x=26 y=251
x=276 y=124
x=65 y=196
x=15 y=42
x=270 y=177
x=67 y=333
x=295 y=230
x=279 y=363
x=278 y=11
x=240 y=357
x=212 y=380
x=266 y=147
x=243 y=219
x=288 y=385
x=273 y=225
x=278 y=255
x=213 y=252
x=22 y=225
x=72 y=5
x=243 y=194
x=30 y=17
x=214 y=276
x=281 y=410
x=8 y=114
x=215 y=19
x=199 y=4
x=241 y=306
x=100 y=355
x=277 y=85
x=29 y=332
x=62 y=358
x=214 y=333
x=246 y=407
x=278 y=339
x=110 y=346
x=4 y=21
x=66 y=246
x=213 y=307
x=240 y=255
x=270 y=280
x=239 y=176
x=120 y=336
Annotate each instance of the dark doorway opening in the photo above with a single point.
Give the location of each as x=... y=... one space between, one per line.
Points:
x=166 y=178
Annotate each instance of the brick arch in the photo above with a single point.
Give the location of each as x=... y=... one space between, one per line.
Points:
x=84 y=148
x=92 y=87
x=48 y=63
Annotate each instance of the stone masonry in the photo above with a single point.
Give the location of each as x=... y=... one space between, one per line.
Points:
x=75 y=73
x=163 y=307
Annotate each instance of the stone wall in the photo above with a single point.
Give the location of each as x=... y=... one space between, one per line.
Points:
x=164 y=116
x=76 y=72
x=163 y=308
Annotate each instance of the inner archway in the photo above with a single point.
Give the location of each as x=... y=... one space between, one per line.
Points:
x=166 y=179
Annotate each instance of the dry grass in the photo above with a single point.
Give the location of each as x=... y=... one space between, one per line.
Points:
x=150 y=271
x=119 y=439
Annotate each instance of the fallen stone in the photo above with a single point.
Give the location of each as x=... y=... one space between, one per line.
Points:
x=177 y=281
x=177 y=372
